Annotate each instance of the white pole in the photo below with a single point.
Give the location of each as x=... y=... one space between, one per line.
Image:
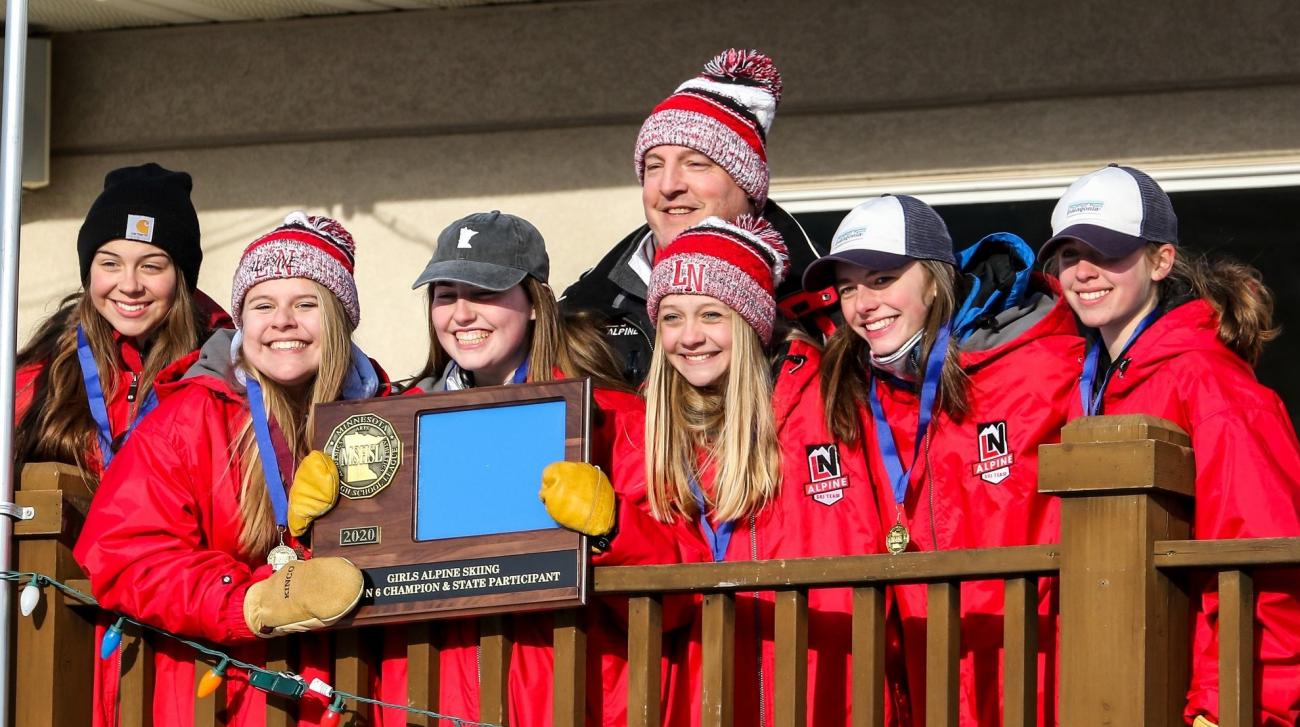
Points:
x=11 y=162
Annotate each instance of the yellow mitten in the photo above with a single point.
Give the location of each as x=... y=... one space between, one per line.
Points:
x=315 y=490
x=303 y=595
x=579 y=497
x=1201 y=721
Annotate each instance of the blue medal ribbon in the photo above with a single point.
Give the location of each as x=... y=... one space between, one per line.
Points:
x=717 y=538
x=95 y=397
x=521 y=373
x=898 y=477
x=1090 y=399
x=269 y=460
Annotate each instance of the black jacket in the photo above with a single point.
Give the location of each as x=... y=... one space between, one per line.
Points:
x=614 y=292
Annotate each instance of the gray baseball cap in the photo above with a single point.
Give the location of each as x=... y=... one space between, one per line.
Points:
x=490 y=250
x=881 y=234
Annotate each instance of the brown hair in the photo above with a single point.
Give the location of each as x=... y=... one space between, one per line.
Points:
x=296 y=419
x=572 y=345
x=1235 y=291
x=845 y=372
x=58 y=426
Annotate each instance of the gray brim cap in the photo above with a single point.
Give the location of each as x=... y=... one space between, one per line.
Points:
x=882 y=234
x=489 y=250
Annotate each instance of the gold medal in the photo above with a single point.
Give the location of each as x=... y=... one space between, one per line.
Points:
x=280 y=556
x=897 y=538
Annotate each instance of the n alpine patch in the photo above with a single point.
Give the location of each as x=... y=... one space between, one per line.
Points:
x=826 y=482
x=996 y=458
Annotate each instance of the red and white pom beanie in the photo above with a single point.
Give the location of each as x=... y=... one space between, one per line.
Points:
x=723 y=113
x=740 y=263
x=305 y=246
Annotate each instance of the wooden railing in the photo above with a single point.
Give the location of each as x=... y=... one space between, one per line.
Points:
x=1125 y=484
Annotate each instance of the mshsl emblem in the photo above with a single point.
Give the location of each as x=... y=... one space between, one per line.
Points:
x=367 y=452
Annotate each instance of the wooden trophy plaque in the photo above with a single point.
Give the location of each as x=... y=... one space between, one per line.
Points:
x=438 y=500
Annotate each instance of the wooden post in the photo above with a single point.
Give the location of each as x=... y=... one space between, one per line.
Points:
x=1124 y=483
x=644 y=654
x=494 y=669
x=56 y=645
x=790 y=682
x=569 y=695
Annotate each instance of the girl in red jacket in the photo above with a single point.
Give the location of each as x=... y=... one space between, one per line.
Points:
x=951 y=369
x=493 y=320
x=1177 y=338
x=187 y=530
x=744 y=466
x=87 y=376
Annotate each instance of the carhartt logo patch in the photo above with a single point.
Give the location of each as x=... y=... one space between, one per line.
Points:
x=995 y=453
x=139 y=228
x=465 y=235
x=688 y=275
x=826 y=484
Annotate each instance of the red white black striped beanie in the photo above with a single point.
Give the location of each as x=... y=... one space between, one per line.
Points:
x=740 y=263
x=305 y=246
x=723 y=113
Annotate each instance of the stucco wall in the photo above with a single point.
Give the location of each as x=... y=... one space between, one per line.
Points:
x=399 y=123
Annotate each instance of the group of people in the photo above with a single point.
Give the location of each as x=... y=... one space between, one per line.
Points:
x=755 y=398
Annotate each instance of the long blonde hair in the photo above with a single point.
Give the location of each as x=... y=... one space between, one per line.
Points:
x=296 y=419
x=58 y=426
x=730 y=427
x=571 y=345
x=845 y=373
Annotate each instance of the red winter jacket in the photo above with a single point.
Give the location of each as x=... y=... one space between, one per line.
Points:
x=977 y=487
x=1247 y=486
x=824 y=507
x=121 y=412
x=160 y=543
x=616 y=447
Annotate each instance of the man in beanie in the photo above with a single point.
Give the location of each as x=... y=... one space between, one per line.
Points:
x=701 y=153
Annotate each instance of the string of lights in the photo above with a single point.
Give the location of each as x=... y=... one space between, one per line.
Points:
x=283 y=683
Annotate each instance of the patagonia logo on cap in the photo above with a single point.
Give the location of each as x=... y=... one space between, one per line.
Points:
x=1084 y=207
x=849 y=235
x=139 y=228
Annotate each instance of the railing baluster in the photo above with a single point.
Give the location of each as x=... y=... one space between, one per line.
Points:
x=1020 y=653
x=719 y=675
x=869 y=656
x=136 y=689
x=351 y=668
x=1236 y=649
x=422 y=670
x=569 y=700
x=790 y=701
x=644 y=653
x=943 y=643
x=494 y=668
x=280 y=712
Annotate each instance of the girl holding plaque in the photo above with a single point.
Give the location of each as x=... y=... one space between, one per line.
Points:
x=188 y=529
x=493 y=320
x=952 y=367
x=740 y=461
x=1177 y=337
x=86 y=377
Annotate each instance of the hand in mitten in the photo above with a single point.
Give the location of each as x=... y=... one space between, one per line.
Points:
x=1201 y=721
x=314 y=492
x=579 y=497
x=303 y=595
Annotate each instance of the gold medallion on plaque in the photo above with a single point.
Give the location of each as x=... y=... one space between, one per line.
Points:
x=367 y=452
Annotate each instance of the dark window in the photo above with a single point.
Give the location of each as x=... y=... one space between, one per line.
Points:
x=1256 y=226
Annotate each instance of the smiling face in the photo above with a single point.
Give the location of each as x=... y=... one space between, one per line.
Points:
x=133 y=285
x=282 y=330
x=1112 y=295
x=484 y=331
x=682 y=187
x=885 y=307
x=695 y=333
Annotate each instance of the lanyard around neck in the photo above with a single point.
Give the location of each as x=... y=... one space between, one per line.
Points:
x=1092 y=399
x=95 y=398
x=899 y=477
x=270 y=461
x=718 y=538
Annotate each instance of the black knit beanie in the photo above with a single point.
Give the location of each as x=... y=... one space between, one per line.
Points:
x=147 y=204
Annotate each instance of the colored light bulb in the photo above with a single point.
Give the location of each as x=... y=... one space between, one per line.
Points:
x=210 y=681
x=112 y=638
x=334 y=713
x=30 y=598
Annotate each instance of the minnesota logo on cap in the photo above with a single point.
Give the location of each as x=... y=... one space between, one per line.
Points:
x=139 y=228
